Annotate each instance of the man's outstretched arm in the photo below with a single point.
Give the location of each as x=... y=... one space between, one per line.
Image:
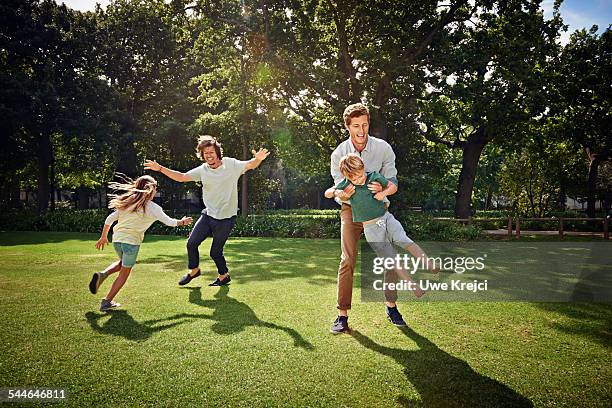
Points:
x=173 y=174
x=258 y=157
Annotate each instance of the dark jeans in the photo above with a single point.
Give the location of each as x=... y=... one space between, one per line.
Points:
x=206 y=227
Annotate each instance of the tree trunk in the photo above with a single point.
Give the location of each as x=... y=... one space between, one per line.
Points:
x=378 y=124
x=594 y=160
x=128 y=160
x=489 y=200
x=52 y=185
x=474 y=145
x=83 y=200
x=44 y=160
x=244 y=197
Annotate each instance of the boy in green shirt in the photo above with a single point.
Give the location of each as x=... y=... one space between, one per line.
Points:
x=380 y=227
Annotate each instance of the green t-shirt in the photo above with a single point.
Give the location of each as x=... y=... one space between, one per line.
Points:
x=364 y=206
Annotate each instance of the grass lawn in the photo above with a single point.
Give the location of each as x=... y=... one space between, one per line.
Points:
x=264 y=340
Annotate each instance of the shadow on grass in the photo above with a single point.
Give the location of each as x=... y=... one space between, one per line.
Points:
x=267 y=259
x=14 y=238
x=123 y=325
x=232 y=316
x=590 y=320
x=443 y=380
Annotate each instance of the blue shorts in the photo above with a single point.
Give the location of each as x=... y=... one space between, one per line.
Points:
x=127 y=253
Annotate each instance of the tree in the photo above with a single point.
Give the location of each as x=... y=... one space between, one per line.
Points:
x=232 y=88
x=486 y=83
x=583 y=106
x=144 y=57
x=534 y=175
x=47 y=67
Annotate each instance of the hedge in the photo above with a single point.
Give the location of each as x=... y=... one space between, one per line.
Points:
x=284 y=224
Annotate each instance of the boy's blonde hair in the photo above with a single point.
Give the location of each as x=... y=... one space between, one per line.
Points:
x=207 y=141
x=137 y=193
x=353 y=111
x=351 y=164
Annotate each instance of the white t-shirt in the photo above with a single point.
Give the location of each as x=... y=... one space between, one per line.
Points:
x=220 y=186
x=132 y=225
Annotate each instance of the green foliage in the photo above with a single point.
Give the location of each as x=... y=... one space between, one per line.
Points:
x=532 y=177
x=287 y=224
x=87 y=94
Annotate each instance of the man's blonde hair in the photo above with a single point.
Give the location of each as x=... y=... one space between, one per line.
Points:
x=351 y=164
x=353 y=111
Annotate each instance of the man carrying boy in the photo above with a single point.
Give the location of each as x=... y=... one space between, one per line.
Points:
x=219 y=176
x=377 y=156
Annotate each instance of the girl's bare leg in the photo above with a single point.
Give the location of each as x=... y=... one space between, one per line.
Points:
x=124 y=273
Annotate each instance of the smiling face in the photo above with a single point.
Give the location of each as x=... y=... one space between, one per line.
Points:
x=358 y=131
x=209 y=154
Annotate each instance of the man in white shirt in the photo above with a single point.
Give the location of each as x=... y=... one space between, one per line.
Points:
x=219 y=177
x=378 y=156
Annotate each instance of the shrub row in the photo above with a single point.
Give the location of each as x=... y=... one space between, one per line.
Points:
x=283 y=224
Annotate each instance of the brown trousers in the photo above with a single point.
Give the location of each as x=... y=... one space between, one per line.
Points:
x=350 y=232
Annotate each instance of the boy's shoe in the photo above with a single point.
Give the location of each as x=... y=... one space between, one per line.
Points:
x=223 y=282
x=96 y=281
x=395 y=316
x=187 y=278
x=340 y=325
x=108 y=305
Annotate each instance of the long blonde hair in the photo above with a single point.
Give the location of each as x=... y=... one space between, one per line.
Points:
x=137 y=193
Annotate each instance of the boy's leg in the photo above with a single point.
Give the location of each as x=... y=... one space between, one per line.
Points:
x=350 y=232
x=221 y=230
x=201 y=230
x=376 y=235
x=398 y=236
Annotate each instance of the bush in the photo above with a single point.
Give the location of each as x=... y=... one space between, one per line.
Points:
x=283 y=223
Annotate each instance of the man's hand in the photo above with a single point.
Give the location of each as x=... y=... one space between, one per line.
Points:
x=101 y=242
x=186 y=220
x=380 y=195
x=347 y=193
x=258 y=157
x=261 y=154
x=152 y=165
x=375 y=187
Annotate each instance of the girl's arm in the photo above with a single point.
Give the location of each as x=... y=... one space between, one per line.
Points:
x=110 y=220
x=157 y=212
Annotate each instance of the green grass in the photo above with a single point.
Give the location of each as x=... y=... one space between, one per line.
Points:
x=264 y=341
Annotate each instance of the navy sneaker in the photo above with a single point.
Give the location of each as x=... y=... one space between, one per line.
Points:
x=188 y=278
x=223 y=282
x=395 y=316
x=96 y=281
x=340 y=325
x=106 y=305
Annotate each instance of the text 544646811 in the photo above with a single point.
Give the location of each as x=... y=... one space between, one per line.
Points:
x=32 y=394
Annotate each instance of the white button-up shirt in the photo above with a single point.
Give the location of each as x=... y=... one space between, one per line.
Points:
x=377 y=156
